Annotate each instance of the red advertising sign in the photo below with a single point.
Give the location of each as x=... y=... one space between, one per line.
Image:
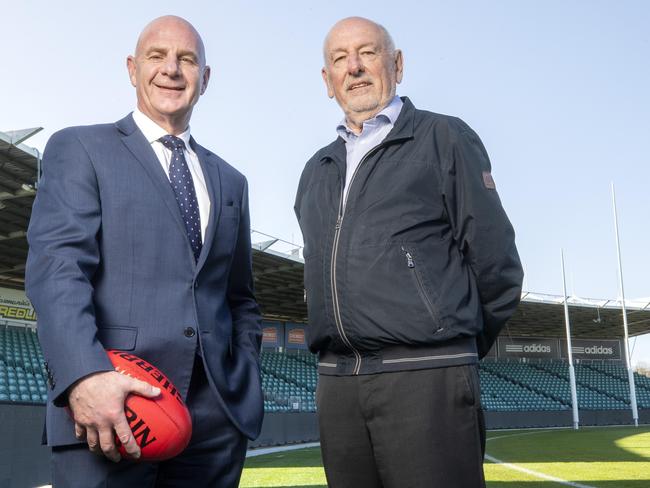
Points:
x=270 y=335
x=296 y=336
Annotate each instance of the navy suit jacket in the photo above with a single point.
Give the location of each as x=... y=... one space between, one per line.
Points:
x=110 y=267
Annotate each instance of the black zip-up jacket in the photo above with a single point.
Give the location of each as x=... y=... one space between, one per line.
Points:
x=419 y=268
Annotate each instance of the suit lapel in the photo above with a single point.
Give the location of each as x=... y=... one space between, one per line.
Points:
x=135 y=141
x=213 y=182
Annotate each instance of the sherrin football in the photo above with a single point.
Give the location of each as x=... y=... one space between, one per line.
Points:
x=162 y=426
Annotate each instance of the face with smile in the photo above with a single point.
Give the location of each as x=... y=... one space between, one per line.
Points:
x=169 y=72
x=361 y=70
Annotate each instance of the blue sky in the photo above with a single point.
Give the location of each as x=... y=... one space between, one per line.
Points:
x=557 y=90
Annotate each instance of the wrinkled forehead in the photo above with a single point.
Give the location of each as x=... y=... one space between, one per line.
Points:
x=171 y=34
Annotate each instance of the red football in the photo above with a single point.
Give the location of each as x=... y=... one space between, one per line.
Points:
x=162 y=426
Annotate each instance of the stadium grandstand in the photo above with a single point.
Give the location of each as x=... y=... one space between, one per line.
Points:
x=524 y=378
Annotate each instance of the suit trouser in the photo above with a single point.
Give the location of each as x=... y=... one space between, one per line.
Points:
x=214 y=457
x=408 y=429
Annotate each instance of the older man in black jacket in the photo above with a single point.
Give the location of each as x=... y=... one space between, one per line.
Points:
x=411 y=271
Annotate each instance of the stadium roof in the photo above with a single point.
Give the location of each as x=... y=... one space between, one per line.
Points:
x=278 y=275
x=541 y=315
x=18 y=170
x=278 y=266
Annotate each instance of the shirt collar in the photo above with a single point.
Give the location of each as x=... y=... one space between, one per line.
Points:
x=152 y=131
x=388 y=115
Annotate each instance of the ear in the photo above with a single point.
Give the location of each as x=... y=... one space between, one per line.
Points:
x=328 y=84
x=206 y=78
x=130 y=66
x=399 y=65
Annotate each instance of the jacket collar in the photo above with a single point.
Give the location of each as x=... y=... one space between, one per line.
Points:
x=127 y=125
x=403 y=129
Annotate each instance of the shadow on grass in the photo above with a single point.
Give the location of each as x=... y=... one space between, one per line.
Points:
x=588 y=445
x=612 y=445
x=552 y=484
x=520 y=484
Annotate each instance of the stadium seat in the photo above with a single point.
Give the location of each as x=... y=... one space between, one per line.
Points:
x=289 y=380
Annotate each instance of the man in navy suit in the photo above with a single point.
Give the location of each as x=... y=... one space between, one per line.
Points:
x=140 y=241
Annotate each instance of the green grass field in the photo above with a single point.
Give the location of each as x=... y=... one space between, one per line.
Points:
x=617 y=457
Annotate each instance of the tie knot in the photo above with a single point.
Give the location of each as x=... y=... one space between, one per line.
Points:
x=172 y=142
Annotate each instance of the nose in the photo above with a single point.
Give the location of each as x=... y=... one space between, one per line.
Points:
x=355 y=66
x=171 y=66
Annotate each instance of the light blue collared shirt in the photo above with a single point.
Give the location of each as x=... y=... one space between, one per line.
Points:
x=373 y=132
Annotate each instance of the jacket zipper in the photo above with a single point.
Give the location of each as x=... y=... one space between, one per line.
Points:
x=337 y=233
x=410 y=262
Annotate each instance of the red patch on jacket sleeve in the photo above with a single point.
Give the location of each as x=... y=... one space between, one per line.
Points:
x=488 y=181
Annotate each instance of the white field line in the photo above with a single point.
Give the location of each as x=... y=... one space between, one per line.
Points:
x=514 y=435
x=271 y=450
x=536 y=474
x=530 y=472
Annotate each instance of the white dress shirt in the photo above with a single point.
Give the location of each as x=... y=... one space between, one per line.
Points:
x=153 y=132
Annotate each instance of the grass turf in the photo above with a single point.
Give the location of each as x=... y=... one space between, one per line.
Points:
x=595 y=457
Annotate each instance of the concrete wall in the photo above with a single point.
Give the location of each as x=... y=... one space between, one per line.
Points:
x=24 y=462
x=287 y=428
x=290 y=428
x=564 y=418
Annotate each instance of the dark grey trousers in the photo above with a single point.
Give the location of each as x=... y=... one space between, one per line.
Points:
x=408 y=429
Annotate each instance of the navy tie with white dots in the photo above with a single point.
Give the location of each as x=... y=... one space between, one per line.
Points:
x=183 y=186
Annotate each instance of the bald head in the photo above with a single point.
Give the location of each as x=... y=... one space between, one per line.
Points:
x=362 y=68
x=354 y=23
x=170 y=23
x=169 y=72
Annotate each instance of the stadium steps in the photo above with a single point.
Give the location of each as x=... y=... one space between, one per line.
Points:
x=589 y=397
x=533 y=381
x=560 y=383
x=528 y=385
x=616 y=376
x=602 y=383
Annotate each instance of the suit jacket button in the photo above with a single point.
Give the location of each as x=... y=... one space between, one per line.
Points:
x=189 y=332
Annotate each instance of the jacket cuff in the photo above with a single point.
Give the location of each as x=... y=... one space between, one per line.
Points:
x=60 y=382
